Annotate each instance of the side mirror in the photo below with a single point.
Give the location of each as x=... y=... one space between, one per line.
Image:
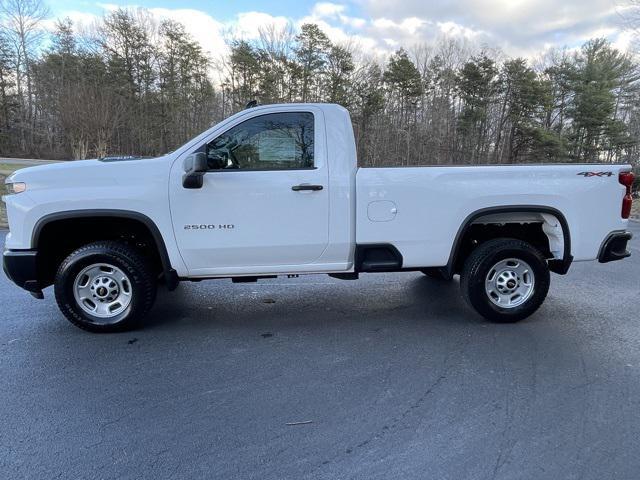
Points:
x=195 y=166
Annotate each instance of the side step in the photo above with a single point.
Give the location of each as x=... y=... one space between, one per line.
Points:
x=378 y=257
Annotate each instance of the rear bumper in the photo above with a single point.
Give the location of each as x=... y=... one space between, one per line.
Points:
x=21 y=266
x=614 y=247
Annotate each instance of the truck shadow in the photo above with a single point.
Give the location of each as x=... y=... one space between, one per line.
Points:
x=212 y=305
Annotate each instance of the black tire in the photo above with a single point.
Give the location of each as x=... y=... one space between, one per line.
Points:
x=142 y=287
x=480 y=263
x=436 y=274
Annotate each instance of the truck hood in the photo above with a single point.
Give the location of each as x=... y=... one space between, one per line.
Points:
x=38 y=172
x=87 y=173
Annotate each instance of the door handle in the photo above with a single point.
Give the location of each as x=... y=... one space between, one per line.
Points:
x=306 y=186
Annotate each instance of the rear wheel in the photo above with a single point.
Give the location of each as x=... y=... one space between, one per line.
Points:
x=505 y=280
x=105 y=287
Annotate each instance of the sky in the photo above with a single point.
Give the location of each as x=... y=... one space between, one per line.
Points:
x=518 y=27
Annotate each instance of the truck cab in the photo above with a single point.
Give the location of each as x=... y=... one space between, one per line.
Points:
x=278 y=194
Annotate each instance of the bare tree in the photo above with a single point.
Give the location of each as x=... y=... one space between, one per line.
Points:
x=21 y=22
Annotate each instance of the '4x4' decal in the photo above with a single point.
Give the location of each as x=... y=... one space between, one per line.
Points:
x=596 y=174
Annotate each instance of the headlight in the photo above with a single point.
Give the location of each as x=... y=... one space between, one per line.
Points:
x=15 y=187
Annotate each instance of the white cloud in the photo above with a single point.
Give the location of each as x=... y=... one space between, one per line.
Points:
x=409 y=25
x=454 y=30
x=624 y=41
x=354 y=22
x=80 y=19
x=109 y=7
x=513 y=25
x=519 y=27
x=326 y=9
x=248 y=24
x=335 y=11
x=341 y=37
x=205 y=29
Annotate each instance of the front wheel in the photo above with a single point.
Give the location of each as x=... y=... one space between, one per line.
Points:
x=505 y=280
x=105 y=287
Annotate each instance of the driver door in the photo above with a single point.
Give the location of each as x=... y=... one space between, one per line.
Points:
x=264 y=203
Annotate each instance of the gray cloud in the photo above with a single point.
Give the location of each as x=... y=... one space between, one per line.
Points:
x=517 y=26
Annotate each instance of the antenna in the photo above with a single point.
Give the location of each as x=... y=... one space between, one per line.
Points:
x=251 y=104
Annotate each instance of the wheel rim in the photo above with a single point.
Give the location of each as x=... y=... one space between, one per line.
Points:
x=510 y=283
x=102 y=290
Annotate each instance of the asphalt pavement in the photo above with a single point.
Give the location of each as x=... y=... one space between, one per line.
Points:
x=388 y=377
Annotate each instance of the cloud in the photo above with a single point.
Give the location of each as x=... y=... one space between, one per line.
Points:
x=518 y=27
x=514 y=25
x=453 y=29
x=625 y=41
x=409 y=25
x=248 y=24
x=327 y=9
x=336 y=12
x=202 y=27
x=109 y=7
x=381 y=35
x=343 y=29
x=78 y=18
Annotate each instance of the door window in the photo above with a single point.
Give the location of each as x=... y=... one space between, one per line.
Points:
x=277 y=141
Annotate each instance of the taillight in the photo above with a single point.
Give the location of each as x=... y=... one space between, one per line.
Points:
x=626 y=179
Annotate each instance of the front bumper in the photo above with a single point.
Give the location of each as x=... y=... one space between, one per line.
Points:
x=614 y=247
x=21 y=266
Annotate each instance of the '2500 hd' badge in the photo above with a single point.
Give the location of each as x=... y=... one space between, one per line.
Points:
x=210 y=226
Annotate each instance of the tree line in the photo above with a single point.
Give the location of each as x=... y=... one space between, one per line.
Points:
x=133 y=86
x=129 y=86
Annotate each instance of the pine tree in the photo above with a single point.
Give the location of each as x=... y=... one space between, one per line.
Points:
x=340 y=66
x=404 y=83
x=601 y=72
x=525 y=100
x=311 y=53
x=477 y=86
x=244 y=75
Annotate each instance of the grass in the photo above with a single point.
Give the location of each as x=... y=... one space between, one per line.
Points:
x=3 y=213
x=9 y=168
x=6 y=169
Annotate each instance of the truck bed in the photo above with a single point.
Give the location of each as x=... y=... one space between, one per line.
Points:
x=423 y=208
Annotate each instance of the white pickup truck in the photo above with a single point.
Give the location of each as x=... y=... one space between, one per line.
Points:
x=275 y=190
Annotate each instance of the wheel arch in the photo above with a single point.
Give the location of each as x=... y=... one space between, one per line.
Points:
x=169 y=273
x=560 y=266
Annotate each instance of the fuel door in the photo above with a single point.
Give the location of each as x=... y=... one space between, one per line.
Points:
x=382 y=211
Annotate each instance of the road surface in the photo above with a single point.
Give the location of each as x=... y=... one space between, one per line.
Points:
x=394 y=377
